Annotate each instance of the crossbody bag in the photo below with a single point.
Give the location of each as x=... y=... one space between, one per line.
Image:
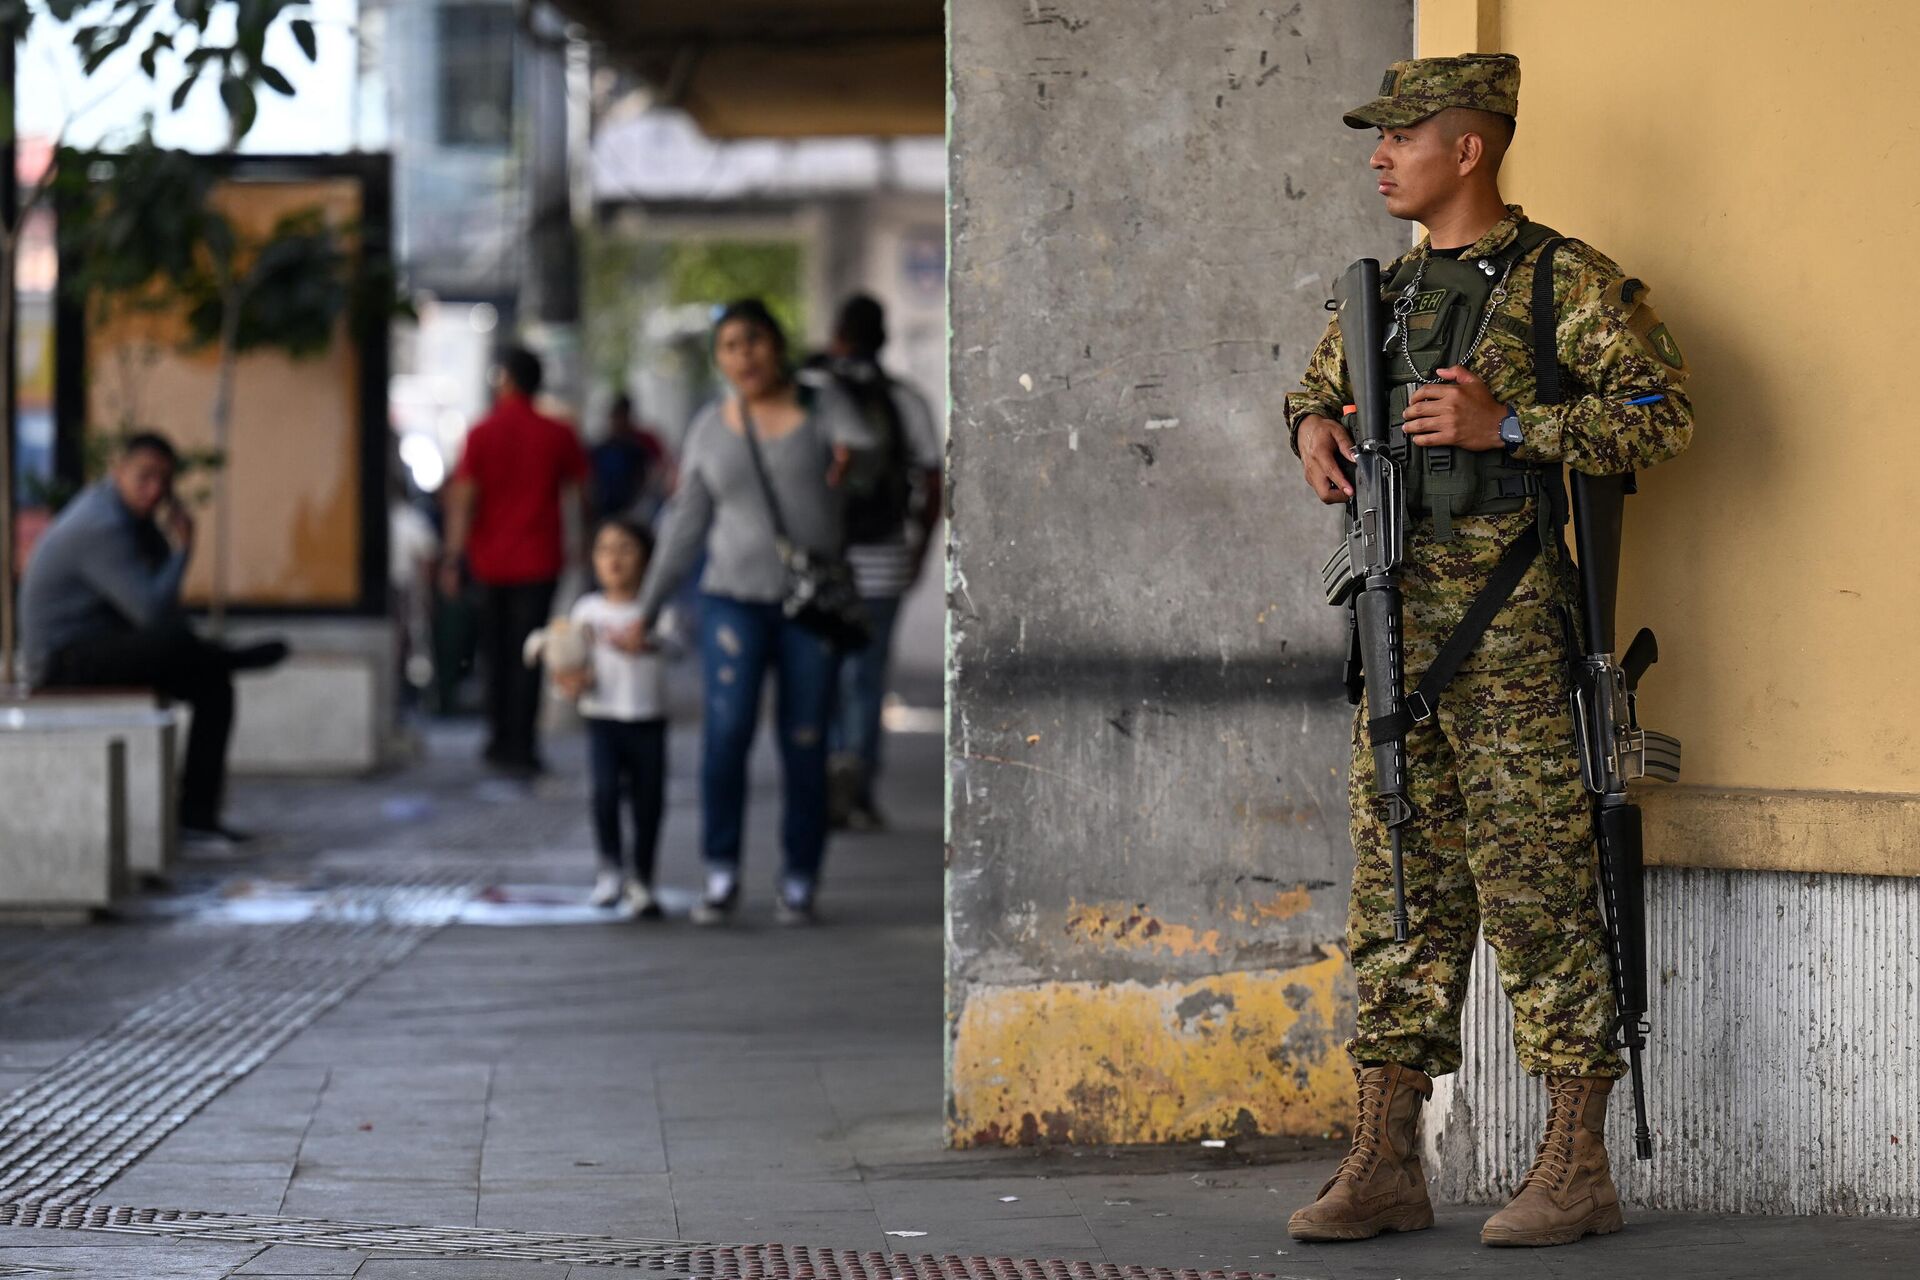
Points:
x=818 y=592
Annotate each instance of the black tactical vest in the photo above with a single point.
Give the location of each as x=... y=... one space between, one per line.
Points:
x=1441 y=321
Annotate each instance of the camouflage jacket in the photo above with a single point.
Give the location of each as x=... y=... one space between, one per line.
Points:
x=1616 y=350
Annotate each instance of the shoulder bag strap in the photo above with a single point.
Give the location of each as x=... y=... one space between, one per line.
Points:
x=760 y=471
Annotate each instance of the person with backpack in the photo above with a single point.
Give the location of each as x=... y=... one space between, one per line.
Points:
x=893 y=504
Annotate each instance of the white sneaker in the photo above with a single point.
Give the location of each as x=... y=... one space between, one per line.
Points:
x=606 y=889
x=637 y=902
x=796 y=913
x=723 y=895
x=795 y=904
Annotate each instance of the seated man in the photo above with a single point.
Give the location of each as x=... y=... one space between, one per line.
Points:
x=100 y=607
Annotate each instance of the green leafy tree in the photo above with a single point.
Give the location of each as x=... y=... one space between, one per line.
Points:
x=719 y=271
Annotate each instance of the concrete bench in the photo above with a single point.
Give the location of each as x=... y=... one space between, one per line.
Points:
x=314 y=714
x=151 y=733
x=328 y=710
x=64 y=830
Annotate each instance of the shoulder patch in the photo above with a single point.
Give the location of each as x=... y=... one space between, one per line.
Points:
x=1646 y=325
x=1661 y=340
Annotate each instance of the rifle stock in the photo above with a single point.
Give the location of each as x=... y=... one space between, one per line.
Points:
x=1599 y=504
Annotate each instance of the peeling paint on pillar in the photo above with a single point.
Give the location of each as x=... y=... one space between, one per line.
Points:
x=1236 y=1055
x=1147 y=832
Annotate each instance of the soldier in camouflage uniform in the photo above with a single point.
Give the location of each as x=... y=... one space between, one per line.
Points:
x=1503 y=838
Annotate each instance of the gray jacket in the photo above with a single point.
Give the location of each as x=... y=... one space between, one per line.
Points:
x=720 y=504
x=95 y=572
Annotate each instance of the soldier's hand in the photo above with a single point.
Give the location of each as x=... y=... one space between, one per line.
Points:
x=1459 y=411
x=1323 y=442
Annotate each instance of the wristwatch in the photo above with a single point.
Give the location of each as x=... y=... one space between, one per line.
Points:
x=1510 y=435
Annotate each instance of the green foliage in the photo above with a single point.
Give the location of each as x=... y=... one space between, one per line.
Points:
x=144 y=234
x=100 y=446
x=717 y=272
x=178 y=29
x=619 y=276
x=296 y=289
x=139 y=219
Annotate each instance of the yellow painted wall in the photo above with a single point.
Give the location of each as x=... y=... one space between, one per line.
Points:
x=1758 y=165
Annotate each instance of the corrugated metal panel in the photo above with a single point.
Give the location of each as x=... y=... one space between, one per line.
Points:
x=1784 y=1066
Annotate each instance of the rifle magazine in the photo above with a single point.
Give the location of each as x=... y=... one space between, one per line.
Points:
x=1656 y=756
x=1337 y=577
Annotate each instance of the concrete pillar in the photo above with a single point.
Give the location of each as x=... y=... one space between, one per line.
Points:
x=1147 y=821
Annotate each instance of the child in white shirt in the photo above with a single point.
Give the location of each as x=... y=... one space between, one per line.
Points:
x=622 y=697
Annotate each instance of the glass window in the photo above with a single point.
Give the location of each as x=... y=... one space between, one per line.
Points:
x=476 y=74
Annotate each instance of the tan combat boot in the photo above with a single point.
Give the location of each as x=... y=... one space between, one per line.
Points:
x=1380 y=1186
x=1569 y=1191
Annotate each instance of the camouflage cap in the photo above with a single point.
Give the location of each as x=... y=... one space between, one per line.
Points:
x=1418 y=87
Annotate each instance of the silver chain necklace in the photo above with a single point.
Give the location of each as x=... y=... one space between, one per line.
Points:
x=1403 y=313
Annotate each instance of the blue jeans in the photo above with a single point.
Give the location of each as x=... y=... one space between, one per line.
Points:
x=862 y=689
x=739 y=642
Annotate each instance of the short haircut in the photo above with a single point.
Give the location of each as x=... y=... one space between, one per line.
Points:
x=862 y=324
x=522 y=368
x=754 y=312
x=623 y=405
x=633 y=529
x=150 y=442
x=1494 y=127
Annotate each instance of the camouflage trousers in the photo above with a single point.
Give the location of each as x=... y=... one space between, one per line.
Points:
x=1502 y=842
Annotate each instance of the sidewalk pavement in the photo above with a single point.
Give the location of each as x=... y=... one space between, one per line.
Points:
x=383 y=1044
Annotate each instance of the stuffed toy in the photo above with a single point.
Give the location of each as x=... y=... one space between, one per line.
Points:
x=563 y=646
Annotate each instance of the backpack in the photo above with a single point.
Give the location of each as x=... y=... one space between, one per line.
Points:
x=879 y=487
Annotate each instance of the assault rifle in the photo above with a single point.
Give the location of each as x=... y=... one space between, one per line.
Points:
x=1615 y=750
x=1365 y=569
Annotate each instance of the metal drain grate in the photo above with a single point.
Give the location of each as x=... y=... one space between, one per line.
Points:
x=806 y=1262
x=94 y=1113
x=88 y=1117
x=677 y=1258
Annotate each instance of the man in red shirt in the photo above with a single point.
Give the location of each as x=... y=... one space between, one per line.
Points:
x=518 y=472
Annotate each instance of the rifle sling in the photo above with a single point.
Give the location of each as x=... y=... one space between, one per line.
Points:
x=1418 y=706
x=1548 y=386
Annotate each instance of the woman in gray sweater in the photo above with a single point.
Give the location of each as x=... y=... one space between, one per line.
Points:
x=805 y=435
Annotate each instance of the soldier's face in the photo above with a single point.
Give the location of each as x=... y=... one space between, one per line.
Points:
x=1415 y=168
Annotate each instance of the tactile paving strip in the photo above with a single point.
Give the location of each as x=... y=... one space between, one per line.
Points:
x=88 y=1117
x=369 y=1237
x=91 y=1115
x=677 y=1258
